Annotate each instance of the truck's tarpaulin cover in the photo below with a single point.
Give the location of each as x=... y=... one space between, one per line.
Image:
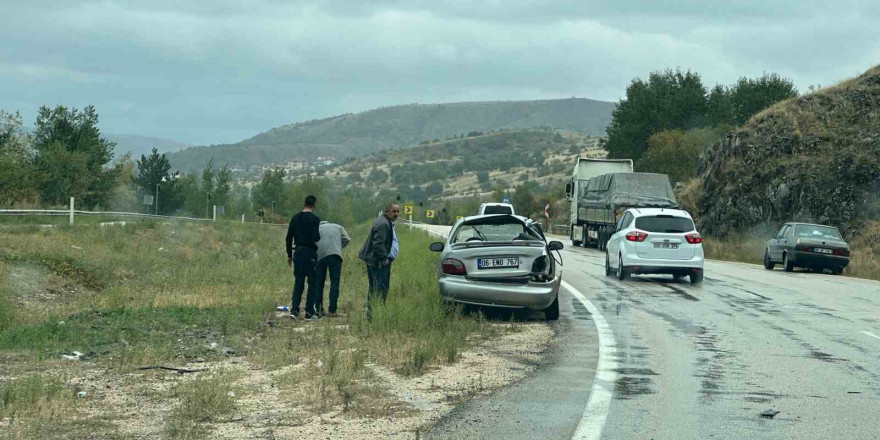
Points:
x=630 y=189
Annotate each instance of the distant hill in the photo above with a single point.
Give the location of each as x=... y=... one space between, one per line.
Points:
x=142 y=145
x=356 y=135
x=473 y=166
x=812 y=158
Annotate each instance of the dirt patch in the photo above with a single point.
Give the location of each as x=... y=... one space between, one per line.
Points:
x=138 y=404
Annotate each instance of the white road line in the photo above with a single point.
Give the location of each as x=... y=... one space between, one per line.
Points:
x=591 y=424
x=871 y=335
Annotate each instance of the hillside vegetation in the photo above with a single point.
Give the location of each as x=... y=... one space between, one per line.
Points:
x=353 y=135
x=812 y=158
x=473 y=166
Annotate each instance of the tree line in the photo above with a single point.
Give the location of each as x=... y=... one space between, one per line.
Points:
x=667 y=121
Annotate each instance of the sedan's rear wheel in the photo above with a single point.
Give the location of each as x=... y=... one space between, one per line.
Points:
x=552 y=313
x=768 y=263
x=622 y=274
x=697 y=277
x=787 y=264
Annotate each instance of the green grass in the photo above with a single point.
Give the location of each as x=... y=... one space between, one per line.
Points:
x=202 y=401
x=156 y=293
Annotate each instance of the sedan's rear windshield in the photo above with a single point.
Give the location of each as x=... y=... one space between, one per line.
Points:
x=816 y=231
x=495 y=209
x=664 y=223
x=494 y=232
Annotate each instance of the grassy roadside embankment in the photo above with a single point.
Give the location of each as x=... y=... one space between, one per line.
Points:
x=748 y=248
x=176 y=294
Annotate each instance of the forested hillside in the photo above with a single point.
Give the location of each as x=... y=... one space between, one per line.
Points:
x=355 y=135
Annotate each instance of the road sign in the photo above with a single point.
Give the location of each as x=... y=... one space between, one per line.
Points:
x=407 y=210
x=148 y=200
x=430 y=213
x=458 y=217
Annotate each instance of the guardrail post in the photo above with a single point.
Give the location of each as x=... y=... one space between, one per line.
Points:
x=215 y=213
x=71 y=210
x=242 y=218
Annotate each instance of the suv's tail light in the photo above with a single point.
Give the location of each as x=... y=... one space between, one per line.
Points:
x=637 y=236
x=451 y=266
x=693 y=238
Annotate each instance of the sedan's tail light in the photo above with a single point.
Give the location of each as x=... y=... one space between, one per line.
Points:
x=637 y=236
x=841 y=252
x=451 y=266
x=693 y=238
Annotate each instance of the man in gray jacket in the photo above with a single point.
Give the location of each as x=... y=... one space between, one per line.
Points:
x=378 y=252
x=333 y=240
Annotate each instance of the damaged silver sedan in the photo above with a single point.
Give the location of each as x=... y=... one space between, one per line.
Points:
x=500 y=261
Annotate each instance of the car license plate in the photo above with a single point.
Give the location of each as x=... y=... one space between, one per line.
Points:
x=666 y=245
x=823 y=250
x=497 y=263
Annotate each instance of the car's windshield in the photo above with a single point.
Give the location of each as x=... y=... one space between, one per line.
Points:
x=816 y=231
x=664 y=223
x=507 y=231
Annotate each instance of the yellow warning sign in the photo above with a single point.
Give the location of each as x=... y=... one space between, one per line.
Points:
x=458 y=217
x=407 y=210
x=430 y=213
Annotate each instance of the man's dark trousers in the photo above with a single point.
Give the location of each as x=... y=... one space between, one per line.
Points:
x=304 y=264
x=379 y=278
x=332 y=263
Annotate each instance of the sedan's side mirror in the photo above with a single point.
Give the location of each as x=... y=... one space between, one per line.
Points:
x=438 y=247
x=555 y=246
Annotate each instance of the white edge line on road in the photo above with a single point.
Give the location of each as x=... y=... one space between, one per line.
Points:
x=871 y=335
x=593 y=420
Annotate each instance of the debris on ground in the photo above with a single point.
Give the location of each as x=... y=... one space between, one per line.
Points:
x=769 y=414
x=72 y=356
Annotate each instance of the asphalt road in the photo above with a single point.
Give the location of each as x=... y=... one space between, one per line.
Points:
x=700 y=361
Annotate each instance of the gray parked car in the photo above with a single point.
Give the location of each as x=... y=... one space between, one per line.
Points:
x=807 y=245
x=500 y=261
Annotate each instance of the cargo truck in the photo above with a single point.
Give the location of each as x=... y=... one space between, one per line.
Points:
x=607 y=197
x=584 y=170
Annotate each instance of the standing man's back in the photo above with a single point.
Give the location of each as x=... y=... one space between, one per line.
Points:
x=334 y=238
x=301 y=245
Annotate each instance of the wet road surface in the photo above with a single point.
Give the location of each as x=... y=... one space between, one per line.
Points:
x=702 y=361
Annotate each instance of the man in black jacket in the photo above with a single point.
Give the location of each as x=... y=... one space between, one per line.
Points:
x=301 y=244
x=378 y=252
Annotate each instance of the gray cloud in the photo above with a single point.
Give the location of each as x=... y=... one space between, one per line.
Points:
x=210 y=72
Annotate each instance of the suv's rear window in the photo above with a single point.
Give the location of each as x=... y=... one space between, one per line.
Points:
x=497 y=210
x=664 y=223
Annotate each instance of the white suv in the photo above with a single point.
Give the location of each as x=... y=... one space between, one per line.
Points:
x=655 y=240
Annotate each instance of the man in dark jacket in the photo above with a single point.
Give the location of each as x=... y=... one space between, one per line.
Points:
x=301 y=244
x=378 y=252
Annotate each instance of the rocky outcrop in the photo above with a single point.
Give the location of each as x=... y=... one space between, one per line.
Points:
x=812 y=158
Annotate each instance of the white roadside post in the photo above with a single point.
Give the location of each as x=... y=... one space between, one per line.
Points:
x=242 y=218
x=215 y=213
x=410 y=222
x=71 y=210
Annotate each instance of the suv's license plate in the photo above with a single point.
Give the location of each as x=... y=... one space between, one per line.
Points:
x=666 y=245
x=823 y=250
x=497 y=263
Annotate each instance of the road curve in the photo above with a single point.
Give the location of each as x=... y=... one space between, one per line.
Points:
x=703 y=361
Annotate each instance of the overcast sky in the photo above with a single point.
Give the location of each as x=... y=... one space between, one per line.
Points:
x=219 y=71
